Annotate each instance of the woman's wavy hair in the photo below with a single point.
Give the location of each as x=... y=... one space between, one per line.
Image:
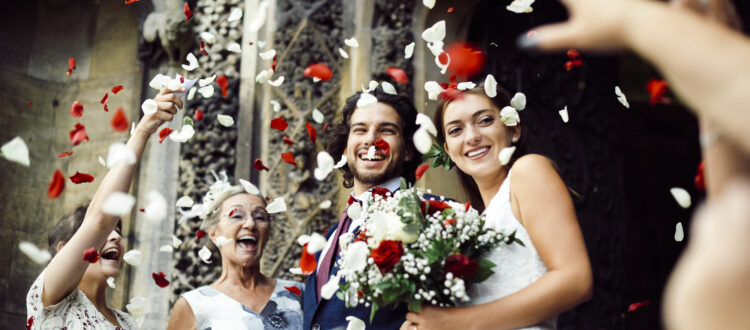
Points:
x=501 y=100
x=67 y=226
x=339 y=134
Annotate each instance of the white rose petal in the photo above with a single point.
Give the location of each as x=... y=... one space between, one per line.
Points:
x=621 y=97
x=355 y=211
x=354 y=322
x=434 y=33
x=206 y=91
x=443 y=67
x=267 y=55
x=159 y=81
x=149 y=106
x=224 y=120
x=234 y=47
x=191 y=93
x=433 y=89
x=263 y=76
x=518 y=101
x=137 y=306
x=156 y=208
x=176 y=242
x=185 y=201
x=206 y=81
x=102 y=161
x=118 y=204
x=119 y=152
x=260 y=17
x=490 y=86
x=343 y=53
x=425 y=121
x=371 y=152
x=466 y=85
x=521 y=6
x=372 y=85
x=111 y=282
x=278 y=205
x=296 y=271
x=208 y=37
x=328 y=289
x=325 y=204
x=132 y=257
x=681 y=196
x=679 y=234
x=316 y=244
x=356 y=256
x=366 y=100
x=166 y=248
x=277 y=82
x=16 y=150
x=564 y=114
x=221 y=240
x=436 y=48
x=192 y=63
x=276 y=105
x=249 y=187
x=429 y=4
x=509 y=116
x=422 y=140
x=303 y=239
x=318 y=116
x=409 y=50
x=325 y=166
x=235 y=15
x=315 y=79
x=183 y=135
x=261 y=44
x=352 y=42
x=34 y=253
x=388 y=88
x=505 y=155
x=174 y=85
x=341 y=162
x=205 y=254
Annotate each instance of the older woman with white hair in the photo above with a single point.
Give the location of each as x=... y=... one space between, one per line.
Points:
x=242 y=298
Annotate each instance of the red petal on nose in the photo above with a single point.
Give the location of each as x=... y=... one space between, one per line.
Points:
x=160 y=278
x=573 y=54
x=657 y=88
x=164 y=133
x=71 y=65
x=81 y=178
x=91 y=255
x=188 y=12
x=288 y=141
x=289 y=158
x=119 y=121
x=318 y=70
x=294 y=289
x=78 y=134
x=279 y=124
x=420 y=170
x=76 y=109
x=258 y=165
x=312 y=132
x=198 y=114
x=223 y=83
x=307 y=262
x=384 y=147
x=65 y=154
x=465 y=59
x=57 y=185
x=397 y=74
x=117 y=89
x=199 y=234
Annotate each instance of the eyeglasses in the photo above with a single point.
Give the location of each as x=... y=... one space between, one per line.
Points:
x=237 y=216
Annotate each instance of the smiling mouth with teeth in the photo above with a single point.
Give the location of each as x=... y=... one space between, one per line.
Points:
x=373 y=157
x=111 y=254
x=477 y=152
x=247 y=242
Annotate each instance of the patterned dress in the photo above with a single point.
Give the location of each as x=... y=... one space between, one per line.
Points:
x=214 y=310
x=75 y=311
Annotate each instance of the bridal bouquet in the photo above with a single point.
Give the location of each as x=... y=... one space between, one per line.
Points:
x=415 y=251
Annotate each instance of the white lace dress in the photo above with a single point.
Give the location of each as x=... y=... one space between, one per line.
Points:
x=517 y=266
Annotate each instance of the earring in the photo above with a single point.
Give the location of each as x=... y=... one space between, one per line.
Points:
x=515 y=139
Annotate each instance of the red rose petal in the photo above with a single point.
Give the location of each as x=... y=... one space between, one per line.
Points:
x=71 y=65
x=160 y=279
x=461 y=266
x=443 y=58
x=182 y=78
x=57 y=185
x=451 y=94
x=119 y=121
x=573 y=54
x=657 y=88
x=450 y=9
x=105 y=98
x=279 y=124
x=203 y=50
x=288 y=141
x=569 y=65
x=198 y=114
x=199 y=234
x=142 y=210
x=318 y=70
x=258 y=164
x=635 y=306
x=384 y=147
x=420 y=170
x=437 y=205
x=29 y=322
x=223 y=83
x=81 y=178
x=164 y=133
x=465 y=59
x=117 y=89
x=250 y=43
x=307 y=262
x=324 y=127
x=105 y=108
x=127 y=2
x=30 y=103
x=78 y=134
x=273 y=65
x=65 y=154
x=289 y=158
x=90 y=255
x=468 y=205
x=397 y=74
x=312 y=132
x=188 y=12
x=449 y=222
x=700 y=181
x=294 y=289
x=76 y=109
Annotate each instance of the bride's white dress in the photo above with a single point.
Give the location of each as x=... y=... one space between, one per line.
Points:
x=516 y=266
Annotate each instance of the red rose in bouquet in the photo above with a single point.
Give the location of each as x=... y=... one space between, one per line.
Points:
x=387 y=255
x=461 y=266
x=380 y=191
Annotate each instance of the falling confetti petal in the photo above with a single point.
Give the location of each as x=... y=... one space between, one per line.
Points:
x=466 y=85
x=316 y=244
x=65 y=154
x=325 y=204
x=564 y=114
x=277 y=82
x=318 y=116
x=409 y=50
x=293 y=289
x=76 y=109
x=276 y=206
x=397 y=74
x=164 y=133
x=509 y=116
x=71 y=65
x=518 y=101
x=428 y=3
x=420 y=170
x=160 y=278
x=120 y=152
x=192 y=63
x=422 y=140
x=198 y=114
x=56 y=185
x=117 y=88
x=490 y=86
x=236 y=14
x=366 y=100
x=425 y=121
x=221 y=240
x=325 y=166
x=465 y=59
x=188 y=12
x=176 y=242
x=132 y=257
x=91 y=255
x=351 y=42
x=249 y=187
x=353 y=322
x=681 y=196
x=78 y=134
x=208 y=37
x=318 y=70
x=185 y=201
x=263 y=76
x=225 y=120
x=111 y=282
x=276 y=105
x=234 y=47
x=260 y=17
x=156 y=209
x=16 y=150
x=223 y=83
x=267 y=55
x=149 y=107
x=311 y=132
x=388 y=88
x=506 y=154
x=279 y=124
x=635 y=306
x=657 y=88
x=184 y=134
x=435 y=33
x=288 y=157
x=384 y=147
x=119 y=121
x=307 y=262
x=679 y=234
x=521 y=6
x=433 y=90
x=37 y=255
x=343 y=53
x=118 y=204
x=328 y=289
x=199 y=234
x=79 y=178
x=621 y=97
x=258 y=165
x=288 y=141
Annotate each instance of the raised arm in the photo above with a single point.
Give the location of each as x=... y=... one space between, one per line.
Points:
x=705 y=62
x=66 y=269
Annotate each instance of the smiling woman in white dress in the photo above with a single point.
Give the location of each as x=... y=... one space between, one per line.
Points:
x=531 y=284
x=73 y=295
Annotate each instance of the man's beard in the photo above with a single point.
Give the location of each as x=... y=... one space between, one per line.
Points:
x=373 y=179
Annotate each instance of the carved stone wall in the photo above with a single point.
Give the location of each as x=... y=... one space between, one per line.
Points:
x=392 y=24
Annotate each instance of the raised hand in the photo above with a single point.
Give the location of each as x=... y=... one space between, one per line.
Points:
x=168 y=103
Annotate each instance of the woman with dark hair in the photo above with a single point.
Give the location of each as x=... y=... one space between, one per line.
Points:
x=534 y=283
x=242 y=298
x=88 y=251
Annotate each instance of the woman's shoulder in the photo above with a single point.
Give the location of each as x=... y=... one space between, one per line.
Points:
x=532 y=167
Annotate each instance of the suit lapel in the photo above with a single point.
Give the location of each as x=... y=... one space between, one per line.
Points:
x=313 y=278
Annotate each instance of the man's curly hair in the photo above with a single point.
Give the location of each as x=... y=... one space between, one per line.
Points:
x=339 y=134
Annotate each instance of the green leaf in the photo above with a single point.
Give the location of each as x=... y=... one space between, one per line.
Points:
x=187 y=121
x=519 y=242
x=484 y=272
x=373 y=310
x=415 y=305
x=449 y=212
